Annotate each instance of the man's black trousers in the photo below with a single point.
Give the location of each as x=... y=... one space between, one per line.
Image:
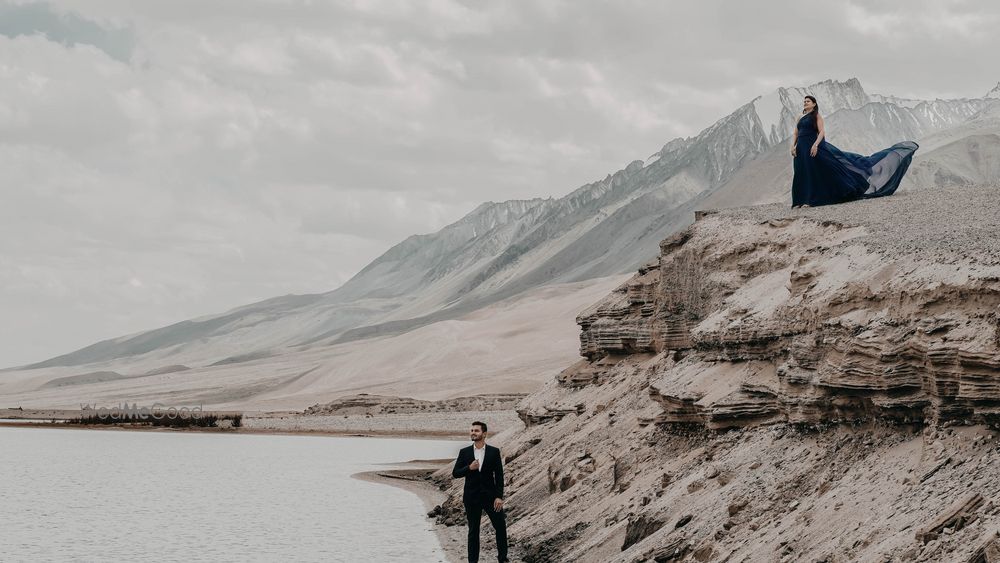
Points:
x=474 y=514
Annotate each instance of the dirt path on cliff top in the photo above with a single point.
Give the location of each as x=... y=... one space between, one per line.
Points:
x=961 y=221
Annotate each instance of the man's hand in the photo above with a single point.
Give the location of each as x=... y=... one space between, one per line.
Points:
x=498 y=504
x=474 y=466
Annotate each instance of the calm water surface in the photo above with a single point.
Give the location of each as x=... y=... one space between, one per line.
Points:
x=104 y=495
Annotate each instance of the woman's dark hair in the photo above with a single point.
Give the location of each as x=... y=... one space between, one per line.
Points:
x=481 y=425
x=815 y=110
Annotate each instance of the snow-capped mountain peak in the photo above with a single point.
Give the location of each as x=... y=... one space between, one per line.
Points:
x=779 y=110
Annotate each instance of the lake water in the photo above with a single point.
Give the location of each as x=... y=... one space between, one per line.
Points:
x=105 y=495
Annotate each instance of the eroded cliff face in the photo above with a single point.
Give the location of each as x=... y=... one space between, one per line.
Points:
x=788 y=321
x=814 y=385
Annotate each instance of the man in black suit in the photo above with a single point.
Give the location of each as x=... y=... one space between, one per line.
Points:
x=482 y=468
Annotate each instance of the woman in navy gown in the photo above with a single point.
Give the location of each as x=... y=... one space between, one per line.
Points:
x=825 y=174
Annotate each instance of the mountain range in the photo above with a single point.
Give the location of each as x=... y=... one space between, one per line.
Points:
x=504 y=252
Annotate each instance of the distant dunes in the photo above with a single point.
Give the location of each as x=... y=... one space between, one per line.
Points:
x=102 y=376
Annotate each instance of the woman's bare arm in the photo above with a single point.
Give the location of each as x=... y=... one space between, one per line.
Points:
x=819 y=138
x=795 y=139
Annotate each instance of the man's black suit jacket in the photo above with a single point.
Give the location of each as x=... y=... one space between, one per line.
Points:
x=483 y=485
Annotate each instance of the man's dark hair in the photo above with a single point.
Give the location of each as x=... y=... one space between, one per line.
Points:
x=480 y=424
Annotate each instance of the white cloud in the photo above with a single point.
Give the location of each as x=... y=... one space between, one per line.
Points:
x=927 y=20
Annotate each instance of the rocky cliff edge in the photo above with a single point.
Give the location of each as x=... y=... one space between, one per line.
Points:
x=814 y=385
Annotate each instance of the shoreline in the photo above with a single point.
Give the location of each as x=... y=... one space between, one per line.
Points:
x=434 y=425
x=415 y=434
x=451 y=538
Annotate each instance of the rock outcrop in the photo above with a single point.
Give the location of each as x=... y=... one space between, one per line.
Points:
x=815 y=385
x=796 y=320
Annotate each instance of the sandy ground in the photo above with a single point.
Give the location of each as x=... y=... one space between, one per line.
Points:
x=437 y=424
x=510 y=347
x=947 y=223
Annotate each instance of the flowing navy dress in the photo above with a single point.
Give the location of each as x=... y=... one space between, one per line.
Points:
x=836 y=176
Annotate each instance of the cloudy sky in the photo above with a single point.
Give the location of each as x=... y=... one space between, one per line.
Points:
x=161 y=161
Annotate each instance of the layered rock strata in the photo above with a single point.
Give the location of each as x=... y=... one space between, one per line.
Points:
x=778 y=385
x=795 y=319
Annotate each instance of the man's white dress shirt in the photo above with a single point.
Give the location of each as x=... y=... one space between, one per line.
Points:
x=479 y=454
